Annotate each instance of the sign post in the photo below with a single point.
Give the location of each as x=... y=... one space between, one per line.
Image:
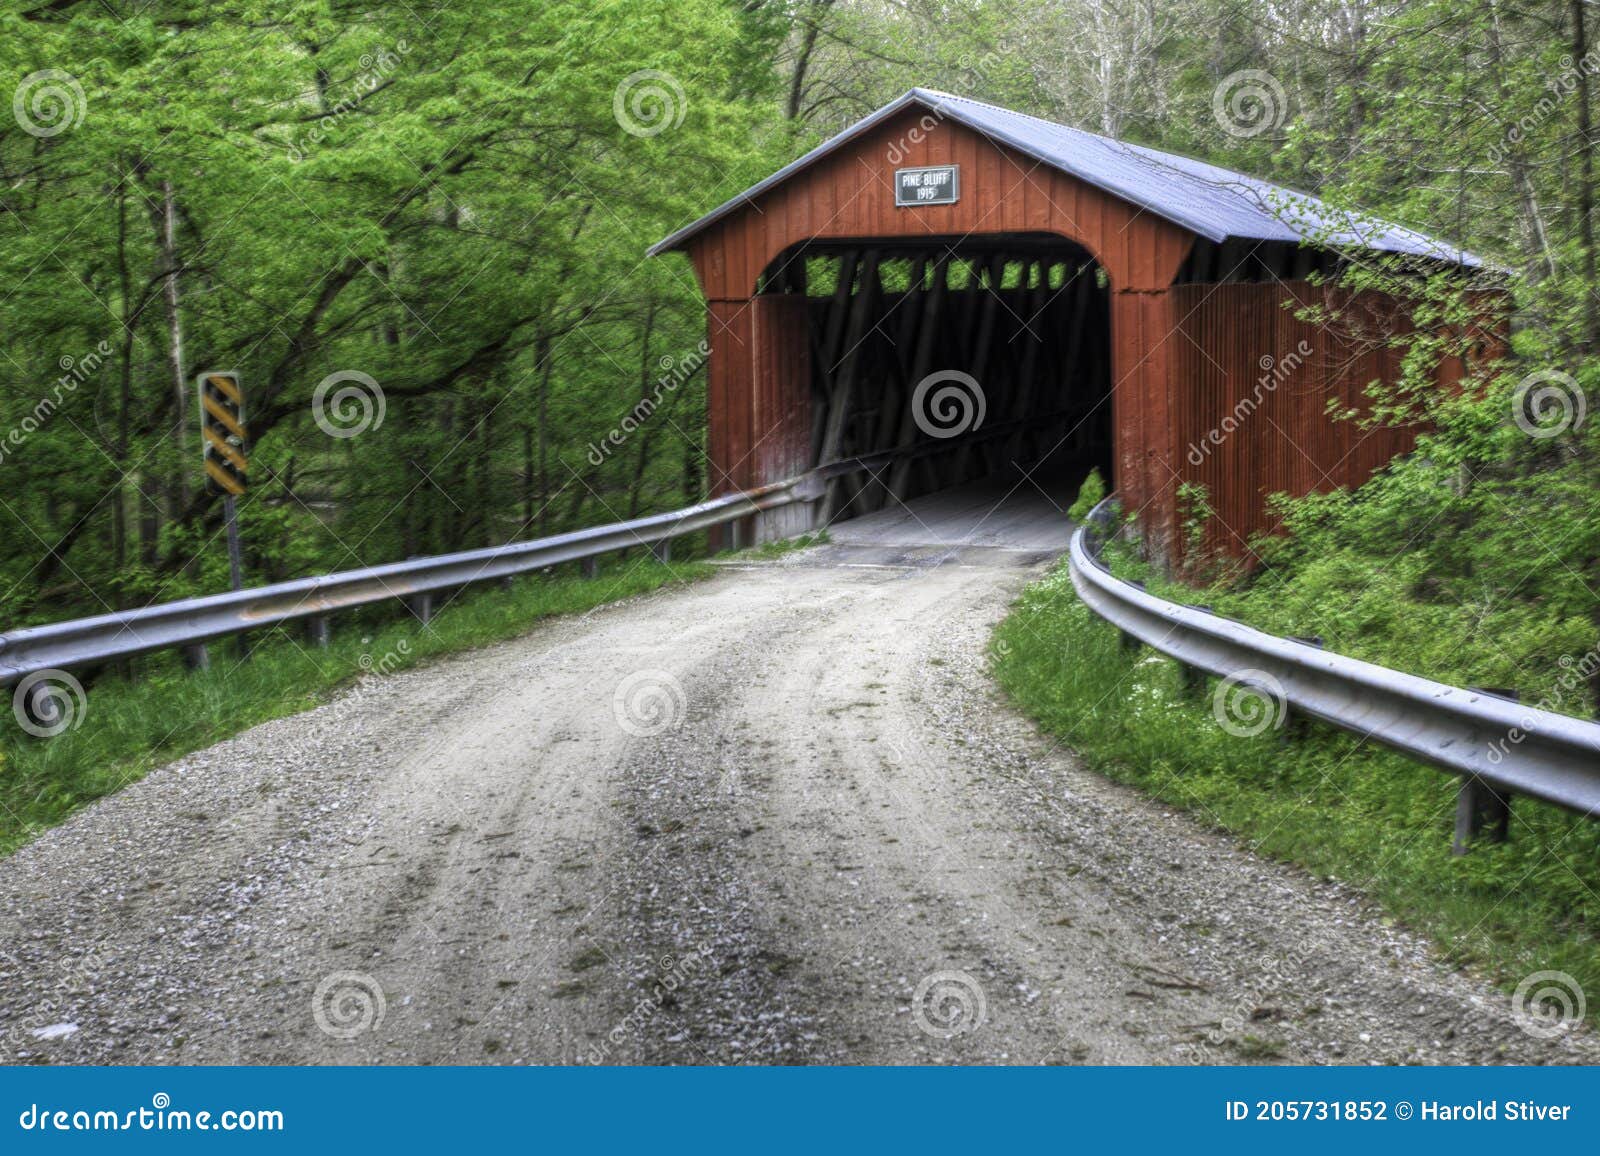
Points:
x=225 y=441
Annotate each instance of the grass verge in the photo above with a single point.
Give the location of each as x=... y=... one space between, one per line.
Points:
x=128 y=726
x=1327 y=801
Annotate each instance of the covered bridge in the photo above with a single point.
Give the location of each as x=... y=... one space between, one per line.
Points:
x=1041 y=299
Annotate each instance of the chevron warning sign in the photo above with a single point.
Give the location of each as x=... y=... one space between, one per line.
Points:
x=222 y=422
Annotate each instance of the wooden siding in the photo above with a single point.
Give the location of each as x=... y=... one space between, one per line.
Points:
x=1240 y=363
x=850 y=194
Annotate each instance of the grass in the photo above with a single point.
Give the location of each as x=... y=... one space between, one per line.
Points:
x=128 y=726
x=783 y=546
x=1325 y=800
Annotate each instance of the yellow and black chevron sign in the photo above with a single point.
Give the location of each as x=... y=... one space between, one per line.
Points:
x=222 y=422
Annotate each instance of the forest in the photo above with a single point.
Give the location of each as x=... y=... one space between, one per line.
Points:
x=417 y=232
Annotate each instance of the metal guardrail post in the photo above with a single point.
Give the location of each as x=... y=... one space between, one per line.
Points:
x=1482 y=811
x=1193 y=680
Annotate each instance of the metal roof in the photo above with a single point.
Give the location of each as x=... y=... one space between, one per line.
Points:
x=1212 y=202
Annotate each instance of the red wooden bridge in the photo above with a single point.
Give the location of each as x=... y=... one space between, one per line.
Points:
x=1124 y=308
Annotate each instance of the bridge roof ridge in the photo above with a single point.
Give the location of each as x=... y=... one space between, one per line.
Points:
x=1210 y=201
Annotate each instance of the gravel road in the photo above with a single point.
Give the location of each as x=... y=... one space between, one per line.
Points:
x=776 y=817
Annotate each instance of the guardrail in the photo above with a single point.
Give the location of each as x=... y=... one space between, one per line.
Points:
x=192 y=622
x=1499 y=746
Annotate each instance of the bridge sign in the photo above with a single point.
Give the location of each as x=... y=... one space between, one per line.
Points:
x=222 y=423
x=936 y=185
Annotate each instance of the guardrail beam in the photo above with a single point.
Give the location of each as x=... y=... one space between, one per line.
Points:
x=1499 y=745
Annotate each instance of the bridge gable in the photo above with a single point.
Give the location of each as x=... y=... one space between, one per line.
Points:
x=848 y=194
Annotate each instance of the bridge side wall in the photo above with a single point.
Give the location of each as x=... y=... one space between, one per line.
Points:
x=1249 y=390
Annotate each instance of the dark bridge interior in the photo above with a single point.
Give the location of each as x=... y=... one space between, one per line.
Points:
x=995 y=349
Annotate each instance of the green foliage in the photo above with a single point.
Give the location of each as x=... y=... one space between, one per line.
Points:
x=1090 y=494
x=784 y=546
x=1472 y=561
x=449 y=201
x=1194 y=510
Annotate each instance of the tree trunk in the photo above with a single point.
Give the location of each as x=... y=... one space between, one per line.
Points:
x=1585 y=190
x=180 y=386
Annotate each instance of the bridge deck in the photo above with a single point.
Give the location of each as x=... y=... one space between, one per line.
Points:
x=986 y=514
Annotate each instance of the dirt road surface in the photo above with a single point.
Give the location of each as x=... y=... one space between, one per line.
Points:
x=776 y=817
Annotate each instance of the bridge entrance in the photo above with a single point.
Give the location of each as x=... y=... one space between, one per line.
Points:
x=977 y=357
